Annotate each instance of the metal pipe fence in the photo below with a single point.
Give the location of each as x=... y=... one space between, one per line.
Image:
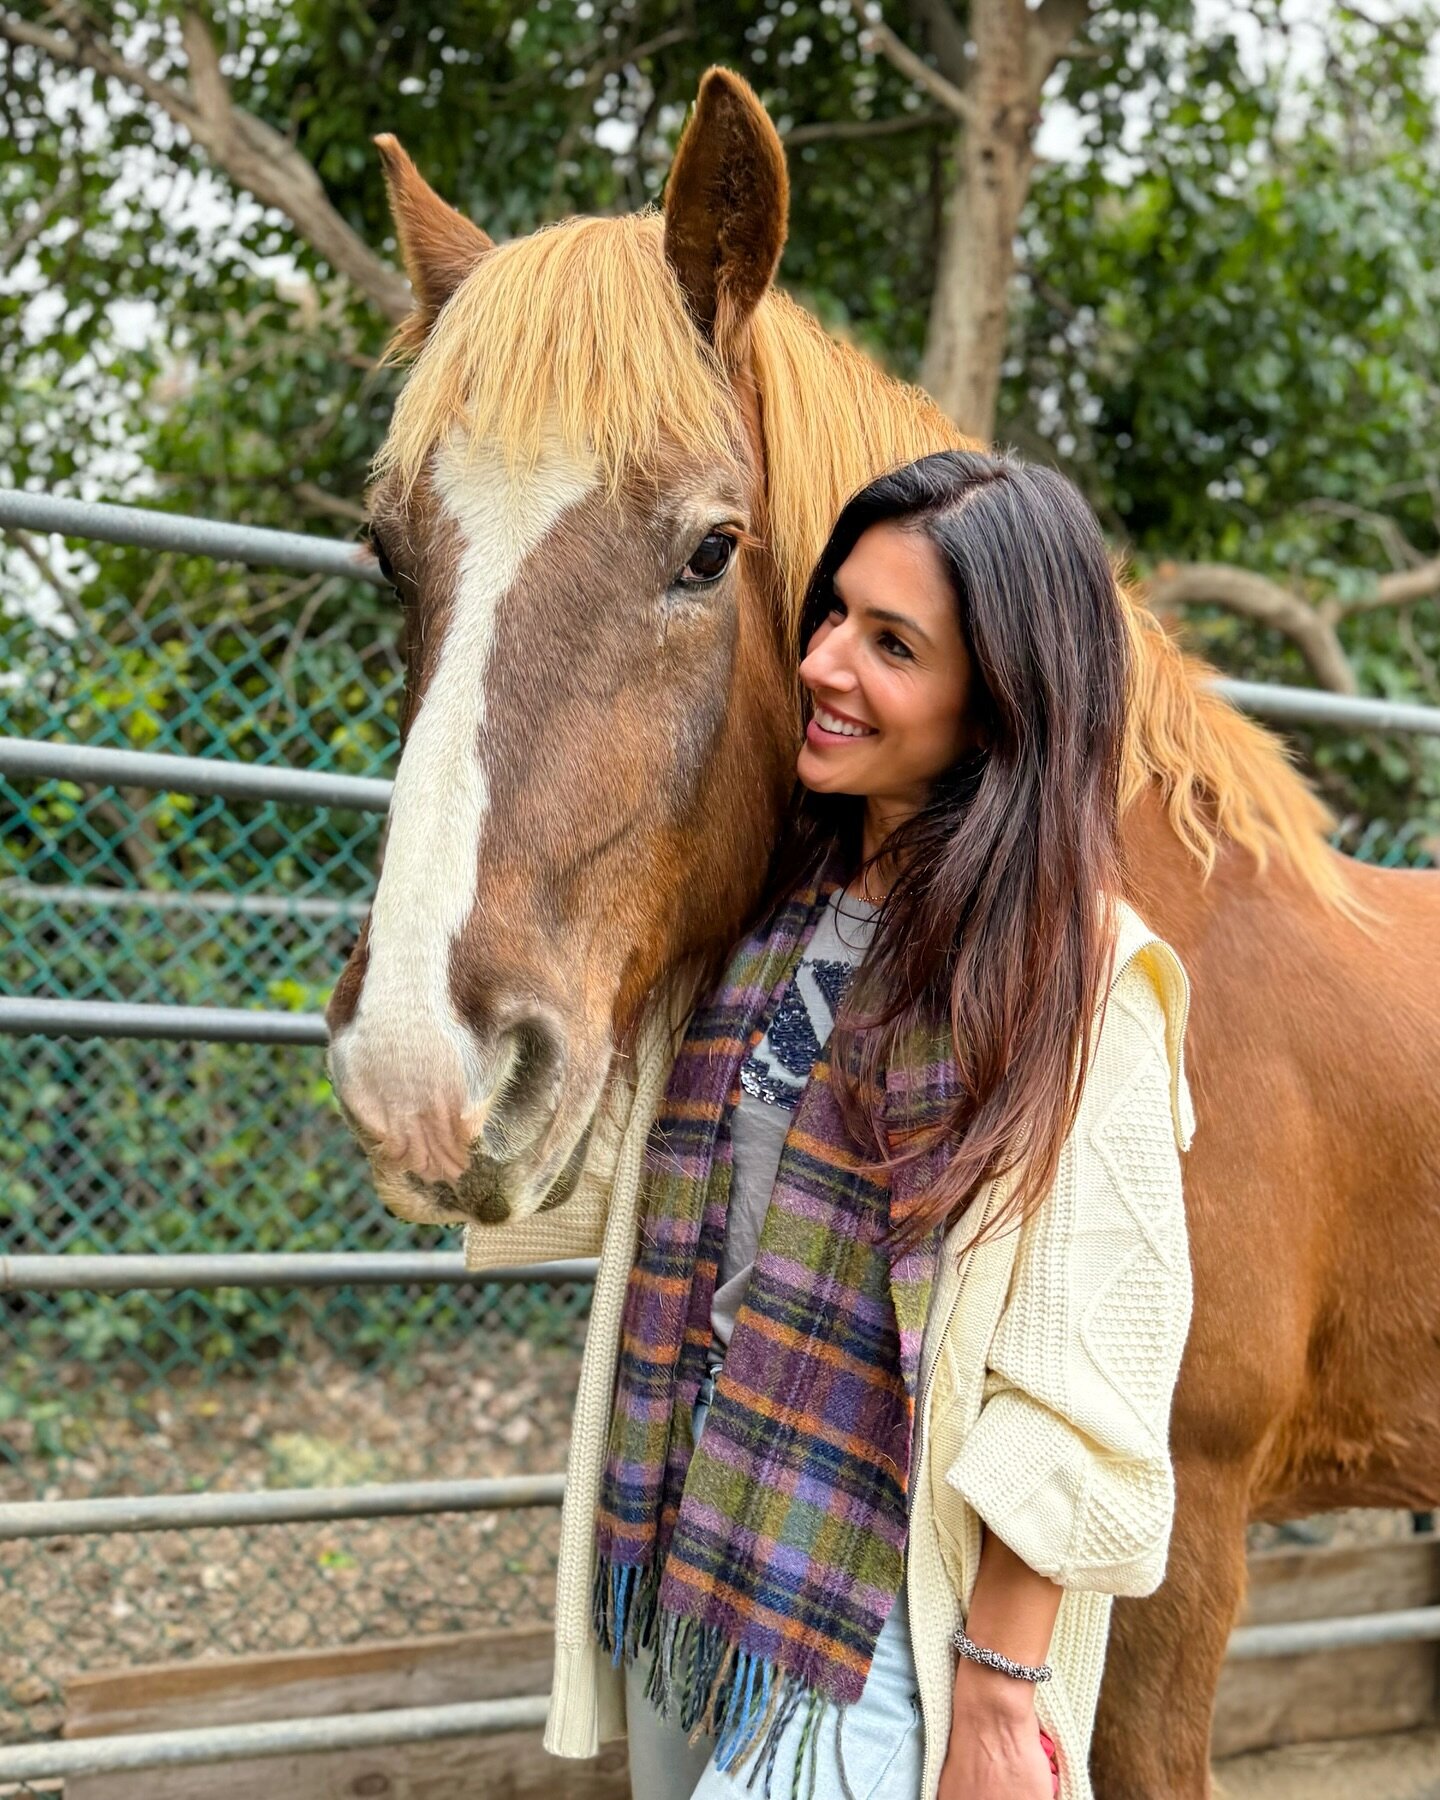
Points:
x=38 y=759
x=80 y=1274
x=30 y=759
x=1314 y=706
x=185 y=1024
x=146 y=529
x=272 y=1506
x=112 y=900
x=288 y=1737
x=1360 y=1631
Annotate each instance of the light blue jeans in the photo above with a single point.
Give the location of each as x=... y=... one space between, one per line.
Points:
x=880 y=1735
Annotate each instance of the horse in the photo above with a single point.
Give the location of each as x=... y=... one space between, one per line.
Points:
x=615 y=457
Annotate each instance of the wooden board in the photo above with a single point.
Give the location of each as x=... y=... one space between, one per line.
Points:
x=1312 y=1699
x=509 y=1767
x=298 y=1684
x=1330 y=1695
x=437 y=1671
x=1339 y=1693
x=1322 y=1581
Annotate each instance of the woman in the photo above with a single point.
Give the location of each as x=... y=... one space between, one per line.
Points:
x=904 y=1317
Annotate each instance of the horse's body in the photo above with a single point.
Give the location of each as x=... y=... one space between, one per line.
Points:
x=1311 y=1378
x=615 y=834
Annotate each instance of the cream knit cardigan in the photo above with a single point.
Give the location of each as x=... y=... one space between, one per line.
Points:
x=1044 y=1399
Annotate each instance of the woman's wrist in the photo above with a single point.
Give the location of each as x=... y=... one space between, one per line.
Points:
x=980 y=1690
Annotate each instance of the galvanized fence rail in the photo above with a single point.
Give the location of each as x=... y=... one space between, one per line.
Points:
x=273 y=1506
x=37 y=760
x=72 y=1274
x=146 y=529
x=483 y=1718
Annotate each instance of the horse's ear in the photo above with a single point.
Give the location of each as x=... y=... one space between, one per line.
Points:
x=439 y=245
x=727 y=205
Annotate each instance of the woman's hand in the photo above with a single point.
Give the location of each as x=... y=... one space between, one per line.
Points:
x=995 y=1752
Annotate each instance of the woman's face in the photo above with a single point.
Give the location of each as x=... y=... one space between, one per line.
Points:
x=889 y=675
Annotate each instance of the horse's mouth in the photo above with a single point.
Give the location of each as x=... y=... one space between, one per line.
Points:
x=488 y=1193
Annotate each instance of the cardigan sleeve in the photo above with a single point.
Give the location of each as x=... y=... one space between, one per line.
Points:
x=1069 y=1460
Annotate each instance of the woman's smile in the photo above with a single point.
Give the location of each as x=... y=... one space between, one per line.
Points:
x=829 y=726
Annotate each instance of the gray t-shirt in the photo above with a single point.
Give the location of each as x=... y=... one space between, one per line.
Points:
x=772 y=1079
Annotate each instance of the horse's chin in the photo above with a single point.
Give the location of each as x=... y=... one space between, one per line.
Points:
x=488 y=1193
x=417 y=1202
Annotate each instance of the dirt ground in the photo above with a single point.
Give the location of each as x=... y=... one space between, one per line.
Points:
x=69 y=1605
x=83 y=1603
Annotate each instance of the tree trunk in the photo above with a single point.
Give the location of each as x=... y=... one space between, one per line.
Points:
x=965 y=342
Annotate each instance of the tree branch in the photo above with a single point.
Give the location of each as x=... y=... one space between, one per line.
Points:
x=1053 y=28
x=875 y=35
x=1402 y=553
x=1403 y=588
x=208 y=84
x=322 y=500
x=140 y=841
x=84 y=50
x=1256 y=597
x=41 y=563
x=29 y=229
x=676 y=34
x=947 y=37
x=1312 y=629
x=251 y=153
x=824 y=131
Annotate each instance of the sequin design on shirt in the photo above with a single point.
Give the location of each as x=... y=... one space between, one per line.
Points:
x=778 y=1067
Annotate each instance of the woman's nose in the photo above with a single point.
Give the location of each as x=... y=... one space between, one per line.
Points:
x=827 y=664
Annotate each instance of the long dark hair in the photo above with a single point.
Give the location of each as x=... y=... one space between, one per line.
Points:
x=999 y=917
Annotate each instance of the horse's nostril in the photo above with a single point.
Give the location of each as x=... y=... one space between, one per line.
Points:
x=526 y=1103
x=539 y=1050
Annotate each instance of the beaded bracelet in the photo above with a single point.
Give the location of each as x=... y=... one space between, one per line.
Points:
x=993 y=1659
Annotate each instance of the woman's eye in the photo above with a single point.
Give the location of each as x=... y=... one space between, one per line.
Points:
x=896 y=646
x=709 y=560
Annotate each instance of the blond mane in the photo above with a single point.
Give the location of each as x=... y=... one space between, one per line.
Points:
x=580 y=328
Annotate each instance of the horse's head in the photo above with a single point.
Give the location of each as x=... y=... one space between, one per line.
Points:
x=599 y=722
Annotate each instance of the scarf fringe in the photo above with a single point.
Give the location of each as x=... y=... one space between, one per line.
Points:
x=701 y=1678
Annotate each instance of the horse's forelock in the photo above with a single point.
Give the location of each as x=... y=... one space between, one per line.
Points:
x=580 y=331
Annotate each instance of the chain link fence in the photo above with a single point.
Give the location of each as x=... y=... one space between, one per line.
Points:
x=129 y=1146
x=183 y=1147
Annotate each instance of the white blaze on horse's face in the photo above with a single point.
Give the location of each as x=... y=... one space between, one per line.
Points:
x=420 y=1083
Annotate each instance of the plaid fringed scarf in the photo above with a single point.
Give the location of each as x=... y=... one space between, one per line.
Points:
x=762 y=1564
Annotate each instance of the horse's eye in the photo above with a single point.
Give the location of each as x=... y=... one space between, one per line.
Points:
x=384 y=561
x=708 y=561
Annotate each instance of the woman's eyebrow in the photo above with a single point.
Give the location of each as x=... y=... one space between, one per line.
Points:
x=886 y=617
x=883 y=614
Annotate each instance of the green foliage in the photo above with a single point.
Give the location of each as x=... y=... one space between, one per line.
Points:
x=1233 y=342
